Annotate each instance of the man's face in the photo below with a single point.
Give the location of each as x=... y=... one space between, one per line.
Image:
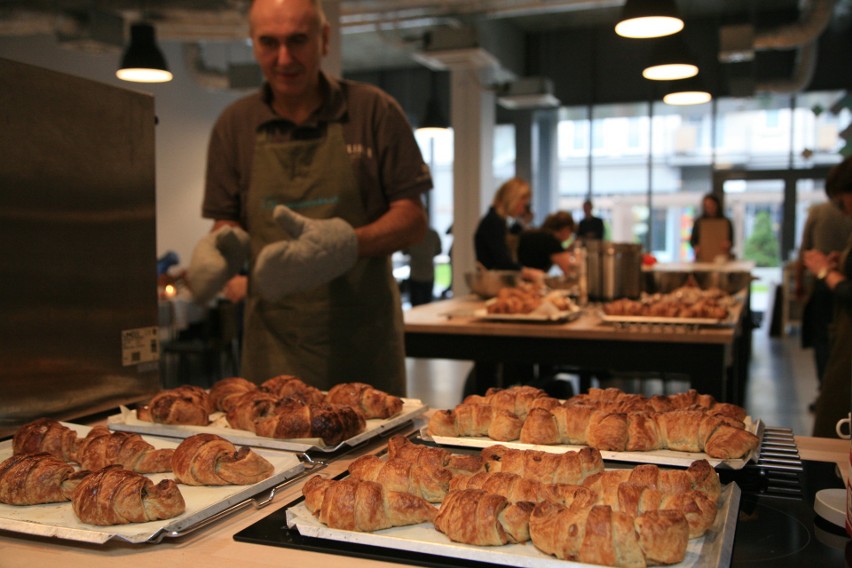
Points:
x=289 y=42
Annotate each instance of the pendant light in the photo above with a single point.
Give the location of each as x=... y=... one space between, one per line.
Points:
x=433 y=120
x=649 y=18
x=670 y=60
x=687 y=92
x=143 y=62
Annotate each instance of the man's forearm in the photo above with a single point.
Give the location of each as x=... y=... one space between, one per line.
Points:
x=403 y=225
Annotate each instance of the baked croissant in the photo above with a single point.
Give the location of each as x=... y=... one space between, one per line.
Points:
x=616 y=400
x=516 y=488
x=225 y=392
x=208 y=459
x=599 y=535
x=400 y=447
x=31 y=479
x=473 y=516
x=394 y=474
x=101 y=448
x=476 y=420
x=364 y=506
x=518 y=400
x=680 y=430
x=290 y=386
x=369 y=401
x=117 y=496
x=45 y=435
x=568 y=467
x=187 y=404
x=248 y=407
x=333 y=423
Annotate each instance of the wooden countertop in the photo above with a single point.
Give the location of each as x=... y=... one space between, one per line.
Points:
x=455 y=316
x=214 y=546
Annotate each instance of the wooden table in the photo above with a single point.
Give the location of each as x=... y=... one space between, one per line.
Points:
x=215 y=547
x=714 y=359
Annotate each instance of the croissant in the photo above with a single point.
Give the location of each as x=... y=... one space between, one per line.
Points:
x=518 y=400
x=45 y=435
x=208 y=459
x=473 y=516
x=225 y=392
x=101 y=448
x=568 y=467
x=400 y=447
x=369 y=401
x=31 y=479
x=696 y=431
x=516 y=488
x=599 y=535
x=476 y=420
x=289 y=386
x=364 y=506
x=394 y=474
x=187 y=404
x=248 y=407
x=615 y=400
x=333 y=423
x=116 y=496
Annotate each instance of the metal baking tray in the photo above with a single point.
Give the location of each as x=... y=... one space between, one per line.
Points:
x=546 y=317
x=406 y=544
x=204 y=505
x=658 y=457
x=729 y=321
x=127 y=421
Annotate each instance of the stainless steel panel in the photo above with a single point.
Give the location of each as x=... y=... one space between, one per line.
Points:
x=78 y=241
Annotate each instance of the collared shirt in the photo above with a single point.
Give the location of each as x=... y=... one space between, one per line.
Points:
x=380 y=142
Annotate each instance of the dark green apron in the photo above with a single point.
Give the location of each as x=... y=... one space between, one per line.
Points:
x=347 y=330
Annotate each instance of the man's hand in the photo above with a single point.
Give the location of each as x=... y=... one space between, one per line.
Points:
x=218 y=256
x=318 y=252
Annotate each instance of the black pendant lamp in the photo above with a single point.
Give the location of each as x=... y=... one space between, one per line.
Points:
x=433 y=120
x=686 y=92
x=143 y=62
x=649 y=18
x=670 y=60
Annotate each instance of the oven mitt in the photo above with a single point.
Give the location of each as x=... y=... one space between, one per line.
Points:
x=217 y=257
x=319 y=251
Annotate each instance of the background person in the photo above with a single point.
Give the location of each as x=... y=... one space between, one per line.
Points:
x=545 y=247
x=591 y=227
x=421 y=280
x=835 y=271
x=711 y=208
x=317 y=181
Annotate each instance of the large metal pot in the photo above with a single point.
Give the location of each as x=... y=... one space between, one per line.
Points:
x=613 y=270
x=486 y=283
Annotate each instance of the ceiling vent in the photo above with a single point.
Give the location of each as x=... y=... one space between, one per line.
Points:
x=527 y=93
x=453 y=49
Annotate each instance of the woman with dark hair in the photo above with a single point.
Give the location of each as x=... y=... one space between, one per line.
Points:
x=835 y=271
x=711 y=208
x=542 y=248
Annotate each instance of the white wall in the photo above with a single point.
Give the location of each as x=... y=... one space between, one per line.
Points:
x=185 y=111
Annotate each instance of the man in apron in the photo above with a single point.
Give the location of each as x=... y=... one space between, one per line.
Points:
x=316 y=182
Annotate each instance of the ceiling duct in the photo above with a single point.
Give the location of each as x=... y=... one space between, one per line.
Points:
x=527 y=93
x=453 y=49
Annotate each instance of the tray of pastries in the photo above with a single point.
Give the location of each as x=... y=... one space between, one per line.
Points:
x=687 y=305
x=521 y=508
x=529 y=303
x=73 y=482
x=283 y=413
x=664 y=430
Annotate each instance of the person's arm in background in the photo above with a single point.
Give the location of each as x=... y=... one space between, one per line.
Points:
x=807 y=244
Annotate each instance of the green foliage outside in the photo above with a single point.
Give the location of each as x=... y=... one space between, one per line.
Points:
x=762 y=246
x=442 y=276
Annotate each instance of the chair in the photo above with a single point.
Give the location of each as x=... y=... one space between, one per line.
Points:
x=207 y=351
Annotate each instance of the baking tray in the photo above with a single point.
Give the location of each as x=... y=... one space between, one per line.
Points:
x=728 y=321
x=658 y=457
x=294 y=527
x=126 y=421
x=558 y=317
x=204 y=505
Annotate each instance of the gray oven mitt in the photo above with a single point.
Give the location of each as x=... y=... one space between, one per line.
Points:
x=319 y=251
x=217 y=257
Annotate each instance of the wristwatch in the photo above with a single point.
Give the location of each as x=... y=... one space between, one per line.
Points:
x=823 y=273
